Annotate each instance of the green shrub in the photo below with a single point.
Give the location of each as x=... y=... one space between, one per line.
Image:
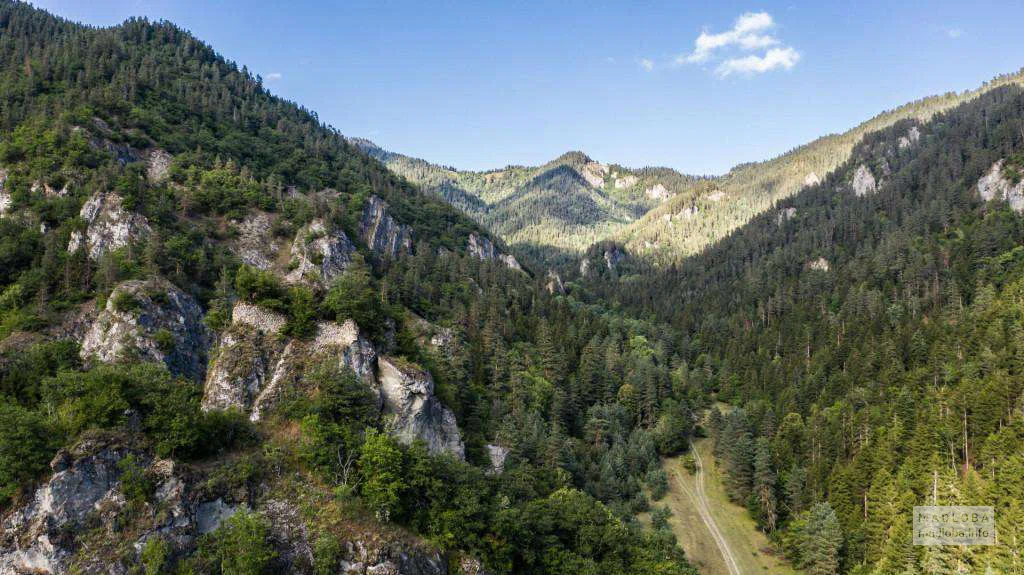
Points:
x=154 y=555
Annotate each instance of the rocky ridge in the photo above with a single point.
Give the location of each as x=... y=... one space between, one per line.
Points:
x=151 y=320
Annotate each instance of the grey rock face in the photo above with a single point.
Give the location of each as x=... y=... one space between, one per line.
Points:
x=381 y=232
x=319 y=255
x=811 y=179
x=584 y=267
x=994 y=186
x=658 y=192
x=912 y=137
x=864 y=181
x=497 y=454
x=255 y=245
x=35 y=537
x=255 y=364
x=785 y=214
x=5 y=196
x=554 y=283
x=365 y=557
x=158 y=163
x=155 y=321
x=820 y=264
x=108 y=226
x=408 y=393
x=612 y=257
x=484 y=249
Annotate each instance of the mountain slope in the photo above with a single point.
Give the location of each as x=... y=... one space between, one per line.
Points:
x=681 y=227
x=232 y=342
x=869 y=331
x=551 y=211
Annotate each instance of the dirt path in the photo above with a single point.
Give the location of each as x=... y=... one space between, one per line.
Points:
x=701 y=501
x=719 y=536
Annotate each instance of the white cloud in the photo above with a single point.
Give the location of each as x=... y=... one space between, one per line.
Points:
x=784 y=58
x=954 y=32
x=647 y=64
x=751 y=32
x=273 y=76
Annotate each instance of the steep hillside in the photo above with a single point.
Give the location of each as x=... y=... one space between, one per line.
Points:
x=869 y=331
x=552 y=211
x=231 y=342
x=684 y=226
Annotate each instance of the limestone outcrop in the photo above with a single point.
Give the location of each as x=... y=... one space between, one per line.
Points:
x=484 y=250
x=864 y=181
x=416 y=413
x=658 y=192
x=381 y=232
x=994 y=185
x=151 y=320
x=255 y=363
x=109 y=226
x=319 y=255
x=5 y=196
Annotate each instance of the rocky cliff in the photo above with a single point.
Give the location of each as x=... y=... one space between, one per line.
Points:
x=995 y=185
x=151 y=320
x=484 y=249
x=108 y=226
x=319 y=254
x=417 y=414
x=382 y=233
x=254 y=366
x=76 y=521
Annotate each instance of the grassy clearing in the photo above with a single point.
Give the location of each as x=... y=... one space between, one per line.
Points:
x=750 y=549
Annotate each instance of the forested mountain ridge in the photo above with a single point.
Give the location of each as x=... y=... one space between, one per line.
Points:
x=868 y=329
x=231 y=342
x=556 y=211
x=681 y=227
x=552 y=212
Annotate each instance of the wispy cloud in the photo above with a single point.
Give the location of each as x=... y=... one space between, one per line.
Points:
x=647 y=64
x=751 y=32
x=784 y=58
x=273 y=76
x=954 y=32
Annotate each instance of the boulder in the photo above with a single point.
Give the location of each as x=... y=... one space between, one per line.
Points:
x=151 y=320
x=381 y=232
x=416 y=414
x=820 y=264
x=108 y=226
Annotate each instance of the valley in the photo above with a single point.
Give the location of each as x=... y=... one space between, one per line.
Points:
x=234 y=340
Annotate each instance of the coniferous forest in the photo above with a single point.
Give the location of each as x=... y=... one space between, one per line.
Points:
x=232 y=340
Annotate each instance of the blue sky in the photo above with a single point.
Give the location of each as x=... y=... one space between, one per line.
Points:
x=480 y=85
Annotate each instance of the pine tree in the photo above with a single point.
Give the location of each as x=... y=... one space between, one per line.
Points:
x=764 y=484
x=822 y=540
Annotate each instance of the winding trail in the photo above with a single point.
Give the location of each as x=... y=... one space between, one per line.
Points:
x=700 y=498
